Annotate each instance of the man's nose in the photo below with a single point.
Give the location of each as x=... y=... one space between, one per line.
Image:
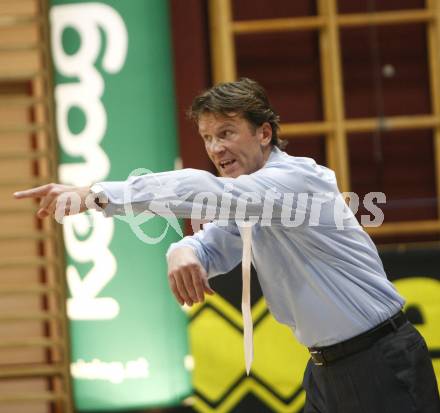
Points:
x=217 y=146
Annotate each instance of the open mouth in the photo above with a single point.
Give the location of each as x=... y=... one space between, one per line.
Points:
x=227 y=163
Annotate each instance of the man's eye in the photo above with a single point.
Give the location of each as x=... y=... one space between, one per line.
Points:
x=227 y=133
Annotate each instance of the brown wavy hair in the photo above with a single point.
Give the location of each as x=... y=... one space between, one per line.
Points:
x=243 y=97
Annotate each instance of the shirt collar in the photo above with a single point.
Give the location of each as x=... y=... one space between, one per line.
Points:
x=274 y=155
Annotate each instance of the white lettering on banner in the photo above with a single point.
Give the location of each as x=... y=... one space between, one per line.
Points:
x=84 y=303
x=114 y=371
x=85 y=92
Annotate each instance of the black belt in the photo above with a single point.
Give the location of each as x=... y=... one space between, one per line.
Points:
x=324 y=355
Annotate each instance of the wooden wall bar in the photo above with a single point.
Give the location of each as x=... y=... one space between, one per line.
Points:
x=366 y=89
x=34 y=349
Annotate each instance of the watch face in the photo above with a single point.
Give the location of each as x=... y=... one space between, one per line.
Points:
x=96 y=190
x=99 y=196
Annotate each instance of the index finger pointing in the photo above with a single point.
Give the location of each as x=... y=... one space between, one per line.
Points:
x=37 y=192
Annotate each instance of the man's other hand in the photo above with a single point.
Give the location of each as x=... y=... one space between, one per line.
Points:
x=187 y=278
x=68 y=199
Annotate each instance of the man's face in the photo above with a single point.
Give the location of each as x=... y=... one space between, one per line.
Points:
x=232 y=144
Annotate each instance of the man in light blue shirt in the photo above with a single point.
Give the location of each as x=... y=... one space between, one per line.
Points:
x=319 y=271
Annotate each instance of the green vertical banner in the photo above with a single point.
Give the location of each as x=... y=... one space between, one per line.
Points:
x=115 y=112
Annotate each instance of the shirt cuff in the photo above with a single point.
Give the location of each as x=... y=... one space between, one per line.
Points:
x=189 y=243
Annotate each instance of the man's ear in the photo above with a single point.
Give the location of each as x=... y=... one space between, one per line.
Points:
x=265 y=134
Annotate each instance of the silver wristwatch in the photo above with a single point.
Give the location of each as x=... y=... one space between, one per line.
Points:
x=99 y=197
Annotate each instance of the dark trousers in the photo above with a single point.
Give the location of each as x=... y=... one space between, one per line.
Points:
x=394 y=375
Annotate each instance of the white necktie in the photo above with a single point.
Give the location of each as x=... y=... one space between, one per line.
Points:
x=246 y=296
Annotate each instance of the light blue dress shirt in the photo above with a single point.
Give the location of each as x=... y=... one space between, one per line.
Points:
x=320 y=275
